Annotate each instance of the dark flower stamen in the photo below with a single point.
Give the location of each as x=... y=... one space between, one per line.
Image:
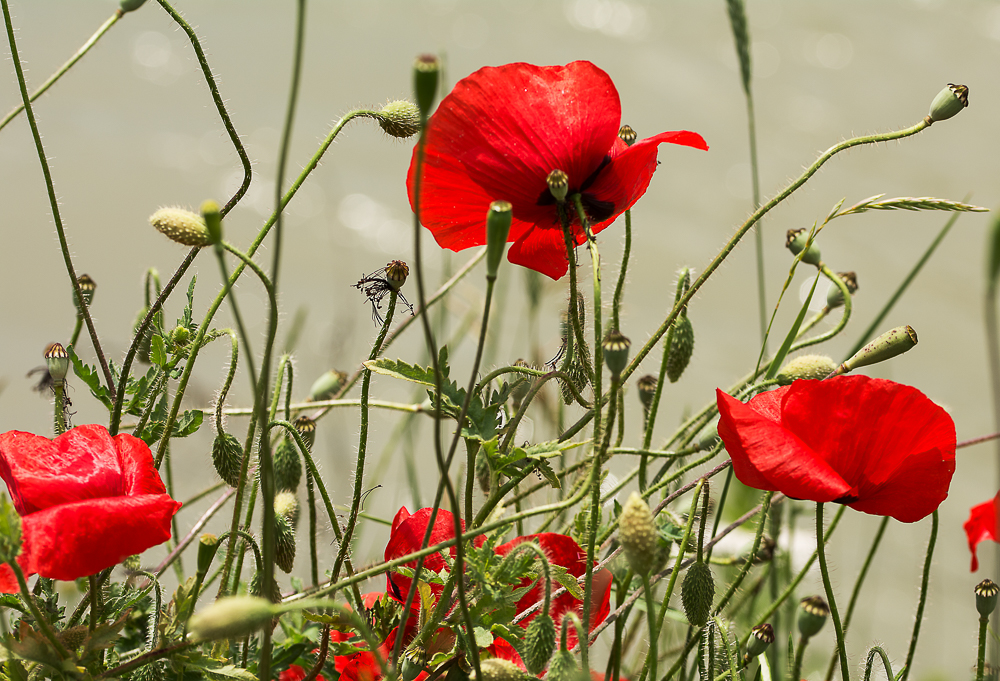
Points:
x=376 y=286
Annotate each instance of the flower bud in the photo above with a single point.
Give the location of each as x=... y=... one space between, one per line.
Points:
x=646 y=385
x=180 y=336
x=327 y=385
x=87 y=288
x=949 y=102
x=709 y=436
x=181 y=226
x=539 y=642
x=986 y=597
x=256 y=588
x=212 y=216
x=399 y=118
x=287 y=465
x=835 y=297
x=627 y=135
x=615 y=347
x=396 y=273
x=761 y=637
x=558 y=182
x=231 y=617
x=284 y=542
x=306 y=427
x=891 y=343
x=637 y=534
x=10 y=531
x=496 y=669
x=563 y=667
x=130 y=5
x=142 y=351
x=426 y=72
x=681 y=347
x=57 y=362
x=795 y=241
x=816 y=367
x=286 y=503
x=207 y=547
x=227 y=457
x=697 y=592
x=498 y=219
x=813 y=612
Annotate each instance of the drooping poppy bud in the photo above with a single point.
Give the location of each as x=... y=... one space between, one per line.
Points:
x=286 y=503
x=498 y=220
x=227 y=457
x=615 y=347
x=681 y=347
x=835 y=297
x=207 y=544
x=949 y=102
x=986 y=597
x=57 y=362
x=496 y=669
x=484 y=474
x=697 y=593
x=426 y=73
x=287 y=465
x=637 y=534
x=564 y=667
x=400 y=119
x=181 y=226
x=539 y=642
x=327 y=385
x=813 y=612
x=231 y=617
x=284 y=542
x=795 y=241
x=558 y=182
x=130 y=5
x=815 y=367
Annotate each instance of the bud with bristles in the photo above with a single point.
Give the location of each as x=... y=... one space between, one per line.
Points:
x=212 y=216
x=327 y=385
x=256 y=588
x=227 y=456
x=399 y=118
x=563 y=667
x=396 y=273
x=180 y=336
x=426 y=73
x=890 y=344
x=949 y=102
x=181 y=226
x=795 y=241
x=681 y=347
x=284 y=542
x=697 y=593
x=615 y=347
x=57 y=362
x=10 y=531
x=637 y=534
x=496 y=669
x=539 y=642
x=287 y=465
x=815 y=367
x=498 y=220
x=813 y=612
x=231 y=617
x=286 y=503
x=306 y=427
x=558 y=183
x=835 y=297
x=87 y=288
x=986 y=597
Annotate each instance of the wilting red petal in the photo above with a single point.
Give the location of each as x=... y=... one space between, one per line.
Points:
x=981 y=525
x=87 y=500
x=880 y=447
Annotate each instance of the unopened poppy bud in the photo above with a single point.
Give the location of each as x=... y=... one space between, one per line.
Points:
x=426 y=72
x=87 y=288
x=795 y=241
x=986 y=597
x=497 y=669
x=130 y=5
x=637 y=534
x=539 y=642
x=761 y=637
x=813 y=612
x=558 y=182
x=181 y=226
x=286 y=503
x=646 y=385
x=231 y=617
x=57 y=362
x=563 y=667
x=627 y=135
x=399 y=118
x=227 y=457
x=681 y=347
x=816 y=367
x=835 y=297
x=709 y=436
x=498 y=219
x=10 y=531
x=284 y=542
x=212 y=216
x=327 y=385
x=256 y=587
x=891 y=343
x=180 y=336
x=287 y=465
x=306 y=427
x=615 y=347
x=396 y=273
x=207 y=547
x=949 y=102
x=697 y=593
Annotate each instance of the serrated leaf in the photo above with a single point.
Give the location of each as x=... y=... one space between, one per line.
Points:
x=32 y=645
x=230 y=671
x=186 y=320
x=91 y=378
x=187 y=423
x=567 y=580
x=545 y=470
x=105 y=635
x=397 y=368
x=157 y=351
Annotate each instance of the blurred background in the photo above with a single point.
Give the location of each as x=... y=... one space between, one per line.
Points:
x=132 y=128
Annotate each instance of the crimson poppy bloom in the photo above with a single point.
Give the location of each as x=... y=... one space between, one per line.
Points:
x=982 y=524
x=295 y=673
x=87 y=501
x=408 y=532
x=880 y=447
x=500 y=133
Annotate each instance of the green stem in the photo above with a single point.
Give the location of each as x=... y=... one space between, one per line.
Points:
x=799 y=654
x=223 y=270
x=59 y=411
x=76 y=331
x=26 y=596
x=830 y=599
x=616 y=301
x=984 y=623
x=924 y=583
x=765 y=506
x=652 y=655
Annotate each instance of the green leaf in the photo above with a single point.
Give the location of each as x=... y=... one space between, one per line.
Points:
x=397 y=368
x=91 y=378
x=484 y=639
x=230 y=671
x=567 y=580
x=186 y=320
x=187 y=423
x=157 y=350
x=779 y=357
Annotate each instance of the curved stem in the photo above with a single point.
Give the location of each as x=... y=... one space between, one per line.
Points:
x=617 y=299
x=26 y=596
x=800 y=651
x=237 y=317
x=924 y=582
x=830 y=599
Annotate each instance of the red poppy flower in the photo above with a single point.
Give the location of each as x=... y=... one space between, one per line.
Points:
x=295 y=673
x=87 y=501
x=408 y=532
x=982 y=524
x=877 y=446
x=500 y=133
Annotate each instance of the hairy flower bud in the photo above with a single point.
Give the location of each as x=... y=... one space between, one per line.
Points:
x=286 y=503
x=231 y=617
x=498 y=219
x=637 y=534
x=539 y=642
x=949 y=102
x=813 y=612
x=496 y=669
x=287 y=465
x=212 y=216
x=815 y=367
x=327 y=385
x=399 y=118
x=284 y=542
x=227 y=457
x=181 y=226
x=681 y=347
x=795 y=241
x=697 y=592
x=563 y=667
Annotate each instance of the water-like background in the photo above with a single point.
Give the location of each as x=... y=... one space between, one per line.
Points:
x=132 y=128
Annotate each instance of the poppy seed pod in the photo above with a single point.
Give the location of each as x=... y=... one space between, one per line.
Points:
x=615 y=347
x=761 y=637
x=426 y=72
x=327 y=385
x=835 y=297
x=231 y=617
x=646 y=385
x=87 y=288
x=949 y=102
x=130 y=5
x=890 y=344
x=986 y=597
x=306 y=427
x=57 y=362
x=813 y=612
x=400 y=119
x=637 y=534
x=815 y=367
x=795 y=241
x=396 y=273
x=498 y=219
x=558 y=183
x=181 y=226
x=627 y=135
x=212 y=216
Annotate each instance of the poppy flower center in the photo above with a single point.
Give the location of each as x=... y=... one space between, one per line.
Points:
x=596 y=209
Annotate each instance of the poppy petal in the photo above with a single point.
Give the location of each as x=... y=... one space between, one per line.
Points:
x=542 y=250
x=982 y=525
